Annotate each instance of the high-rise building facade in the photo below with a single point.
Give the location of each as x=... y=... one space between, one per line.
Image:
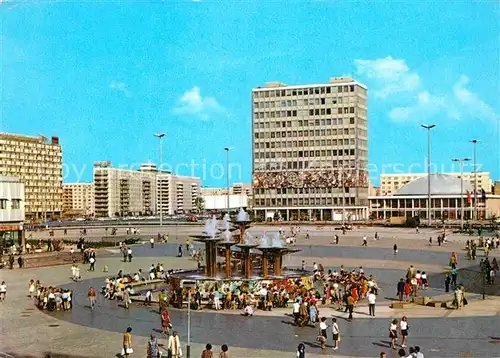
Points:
x=391 y=183
x=125 y=192
x=38 y=163
x=78 y=200
x=310 y=151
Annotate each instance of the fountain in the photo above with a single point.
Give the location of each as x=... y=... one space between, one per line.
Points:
x=237 y=249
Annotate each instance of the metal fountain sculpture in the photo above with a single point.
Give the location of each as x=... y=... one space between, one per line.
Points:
x=271 y=249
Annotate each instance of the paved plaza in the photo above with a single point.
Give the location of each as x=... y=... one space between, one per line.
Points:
x=473 y=331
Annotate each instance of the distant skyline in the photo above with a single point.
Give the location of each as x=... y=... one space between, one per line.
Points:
x=105 y=77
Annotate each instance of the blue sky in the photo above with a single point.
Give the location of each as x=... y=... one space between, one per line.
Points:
x=105 y=76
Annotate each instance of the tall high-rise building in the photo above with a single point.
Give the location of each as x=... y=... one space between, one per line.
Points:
x=78 y=199
x=310 y=151
x=38 y=163
x=125 y=192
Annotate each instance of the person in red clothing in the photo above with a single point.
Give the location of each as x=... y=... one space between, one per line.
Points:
x=354 y=294
x=165 y=323
x=407 y=289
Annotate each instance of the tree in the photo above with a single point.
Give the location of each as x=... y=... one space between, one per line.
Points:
x=200 y=204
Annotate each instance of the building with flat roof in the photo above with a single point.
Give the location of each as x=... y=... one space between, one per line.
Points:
x=78 y=200
x=37 y=162
x=12 y=215
x=391 y=183
x=143 y=192
x=310 y=151
x=240 y=196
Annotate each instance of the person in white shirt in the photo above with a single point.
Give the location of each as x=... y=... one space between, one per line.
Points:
x=365 y=241
x=418 y=354
x=403 y=327
x=336 y=334
x=152 y=242
x=322 y=332
x=77 y=273
x=174 y=345
x=296 y=312
x=315 y=267
x=371 y=303
x=3 y=291
x=248 y=311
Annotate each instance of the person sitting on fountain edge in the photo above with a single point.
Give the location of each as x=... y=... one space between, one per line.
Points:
x=248 y=311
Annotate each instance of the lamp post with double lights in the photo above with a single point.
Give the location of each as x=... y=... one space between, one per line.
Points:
x=461 y=161
x=428 y=127
x=160 y=137
x=475 y=214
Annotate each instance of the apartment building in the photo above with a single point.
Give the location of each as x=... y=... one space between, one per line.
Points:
x=12 y=214
x=78 y=200
x=185 y=193
x=391 y=183
x=125 y=192
x=37 y=162
x=310 y=151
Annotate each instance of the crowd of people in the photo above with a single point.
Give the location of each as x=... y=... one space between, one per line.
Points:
x=49 y=297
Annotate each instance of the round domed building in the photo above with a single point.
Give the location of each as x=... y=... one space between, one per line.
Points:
x=411 y=200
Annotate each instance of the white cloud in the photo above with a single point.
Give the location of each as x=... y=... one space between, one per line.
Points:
x=471 y=103
x=192 y=103
x=426 y=106
x=393 y=79
x=390 y=75
x=121 y=87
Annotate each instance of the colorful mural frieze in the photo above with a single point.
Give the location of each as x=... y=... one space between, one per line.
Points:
x=311 y=179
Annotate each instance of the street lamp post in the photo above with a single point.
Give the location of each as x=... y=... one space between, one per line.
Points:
x=227 y=178
x=475 y=215
x=160 y=137
x=428 y=127
x=461 y=161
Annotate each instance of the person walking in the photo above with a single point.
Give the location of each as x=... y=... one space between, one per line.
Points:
x=447 y=281
x=393 y=333
x=129 y=254
x=322 y=336
x=174 y=346
x=371 y=303
x=454 y=277
x=92 y=297
x=152 y=242
x=350 y=306
x=127 y=343
x=153 y=350
x=92 y=263
x=165 y=323
x=403 y=327
x=336 y=334
x=301 y=351
x=3 y=291
x=365 y=241
x=207 y=352
x=395 y=249
x=401 y=289
x=224 y=351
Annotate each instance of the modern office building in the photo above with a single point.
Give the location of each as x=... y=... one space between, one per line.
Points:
x=78 y=200
x=38 y=163
x=447 y=197
x=391 y=183
x=310 y=151
x=125 y=192
x=12 y=216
